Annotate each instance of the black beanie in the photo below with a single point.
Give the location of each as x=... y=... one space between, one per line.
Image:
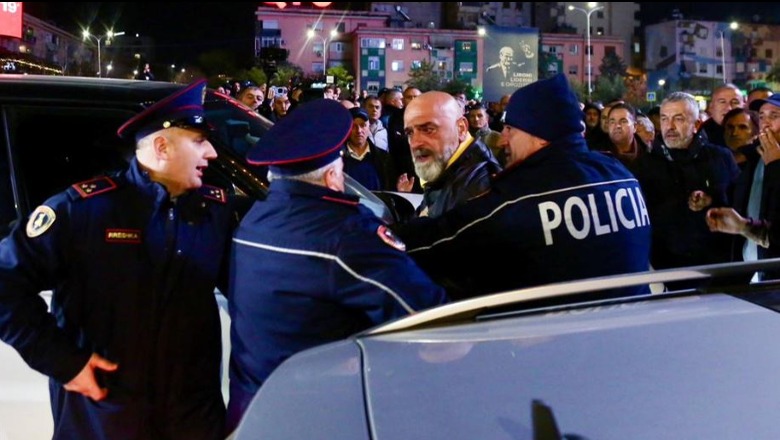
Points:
x=547 y=109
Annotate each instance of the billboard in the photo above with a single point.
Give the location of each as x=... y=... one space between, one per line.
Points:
x=511 y=60
x=11 y=19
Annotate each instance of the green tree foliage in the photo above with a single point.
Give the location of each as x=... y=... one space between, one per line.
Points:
x=457 y=85
x=285 y=73
x=341 y=76
x=774 y=73
x=608 y=89
x=424 y=77
x=612 y=66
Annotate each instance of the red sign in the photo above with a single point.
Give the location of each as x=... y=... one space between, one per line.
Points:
x=282 y=5
x=11 y=19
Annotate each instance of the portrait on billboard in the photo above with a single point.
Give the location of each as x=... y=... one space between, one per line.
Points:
x=510 y=61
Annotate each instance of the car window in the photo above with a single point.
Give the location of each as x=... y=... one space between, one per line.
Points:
x=54 y=147
x=7 y=204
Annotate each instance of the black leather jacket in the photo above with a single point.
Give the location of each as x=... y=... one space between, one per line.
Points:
x=467 y=177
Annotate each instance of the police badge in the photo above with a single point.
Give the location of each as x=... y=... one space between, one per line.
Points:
x=40 y=221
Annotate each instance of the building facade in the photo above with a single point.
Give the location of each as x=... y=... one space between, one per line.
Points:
x=699 y=55
x=380 y=47
x=43 y=48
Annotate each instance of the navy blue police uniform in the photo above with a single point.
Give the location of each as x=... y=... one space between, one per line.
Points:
x=310 y=265
x=132 y=274
x=561 y=214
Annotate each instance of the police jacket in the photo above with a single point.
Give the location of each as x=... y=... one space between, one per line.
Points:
x=309 y=266
x=564 y=213
x=132 y=275
x=467 y=177
x=668 y=177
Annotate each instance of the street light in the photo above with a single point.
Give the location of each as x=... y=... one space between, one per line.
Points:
x=312 y=34
x=591 y=9
x=99 y=39
x=733 y=26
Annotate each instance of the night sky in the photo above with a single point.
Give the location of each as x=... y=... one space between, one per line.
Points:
x=183 y=30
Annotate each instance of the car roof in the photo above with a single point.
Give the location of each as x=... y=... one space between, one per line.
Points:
x=527 y=299
x=77 y=89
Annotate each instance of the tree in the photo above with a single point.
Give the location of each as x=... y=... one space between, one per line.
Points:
x=285 y=73
x=341 y=76
x=424 y=77
x=612 y=66
x=458 y=85
x=636 y=90
x=608 y=89
x=774 y=73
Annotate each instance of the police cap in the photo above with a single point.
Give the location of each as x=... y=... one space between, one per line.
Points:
x=309 y=137
x=181 y=109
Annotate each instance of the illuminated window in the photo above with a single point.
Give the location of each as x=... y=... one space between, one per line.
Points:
x=397 y=66
x=372 y=43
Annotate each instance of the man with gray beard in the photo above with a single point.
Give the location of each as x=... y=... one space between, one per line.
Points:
x=682 y=177
x=452 y=166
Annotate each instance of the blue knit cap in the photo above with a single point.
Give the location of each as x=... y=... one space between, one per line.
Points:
x=547 y=109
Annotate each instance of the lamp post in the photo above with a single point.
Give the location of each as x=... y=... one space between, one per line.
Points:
x=591 y=9
x=86 y=35
x=311 y=33
x=733 y=26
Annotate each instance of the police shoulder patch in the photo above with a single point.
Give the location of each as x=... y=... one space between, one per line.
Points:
x=213 y=193
x=40 y=221
x=93 y=187
x=388 y=237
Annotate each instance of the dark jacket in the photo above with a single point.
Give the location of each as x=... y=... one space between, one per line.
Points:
x=564 y=213
x=385 y=175
x=467 y=177
x=770 y=205
x=398 y=146
x=713 y=132
x=133 y=276
x=668 y=177
x=640 y=148
x=311 y=266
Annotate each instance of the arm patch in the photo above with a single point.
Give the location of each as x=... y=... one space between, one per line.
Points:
x=93 y=187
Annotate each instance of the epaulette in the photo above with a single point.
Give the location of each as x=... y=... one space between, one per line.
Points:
x=93 y=187
x=213 y=193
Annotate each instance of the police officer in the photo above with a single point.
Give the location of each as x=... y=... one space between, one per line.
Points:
x=310 y=264
x=557 y=212
x=132 y=345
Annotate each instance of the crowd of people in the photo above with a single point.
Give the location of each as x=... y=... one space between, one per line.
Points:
x=539 y=188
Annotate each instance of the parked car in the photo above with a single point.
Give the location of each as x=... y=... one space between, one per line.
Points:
x=57 y=131
x=539 y=363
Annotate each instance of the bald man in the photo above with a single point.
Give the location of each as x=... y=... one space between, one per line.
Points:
x=452 y=166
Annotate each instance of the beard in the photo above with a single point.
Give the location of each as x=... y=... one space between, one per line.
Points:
x=432 y=170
